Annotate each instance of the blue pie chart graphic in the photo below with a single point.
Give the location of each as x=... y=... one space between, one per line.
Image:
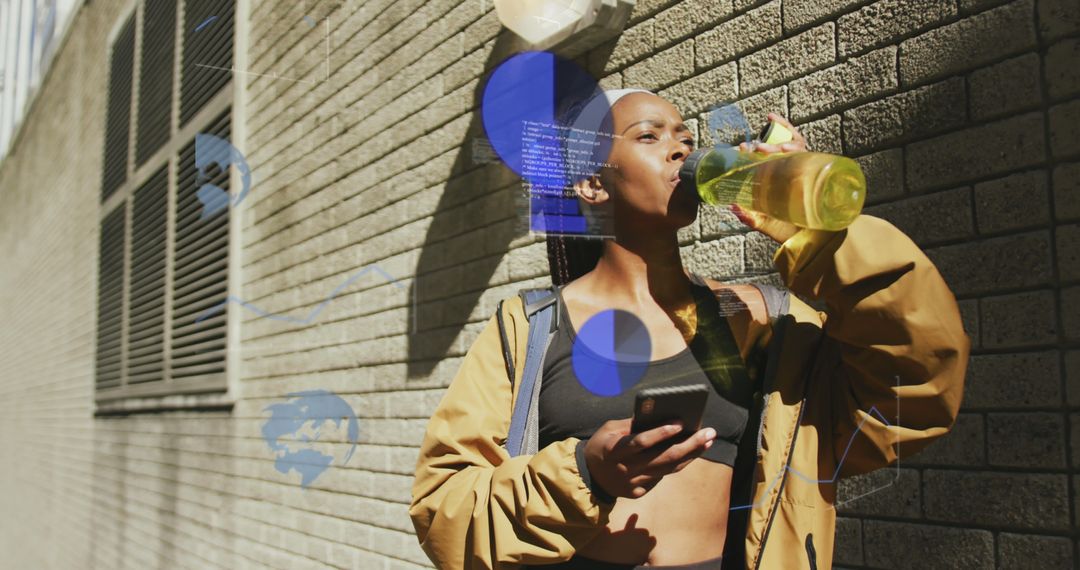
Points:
x=545 y=91
x=611 y=352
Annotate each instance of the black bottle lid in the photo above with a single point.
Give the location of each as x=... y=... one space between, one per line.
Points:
x=688 y=171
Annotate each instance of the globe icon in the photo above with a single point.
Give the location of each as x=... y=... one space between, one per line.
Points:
x=301 y=432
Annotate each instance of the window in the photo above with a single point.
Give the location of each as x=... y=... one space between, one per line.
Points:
x=164 y=253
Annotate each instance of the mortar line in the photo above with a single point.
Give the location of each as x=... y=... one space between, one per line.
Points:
x=1042 y=47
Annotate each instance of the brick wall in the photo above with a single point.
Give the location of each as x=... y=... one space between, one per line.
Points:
x=963 y=114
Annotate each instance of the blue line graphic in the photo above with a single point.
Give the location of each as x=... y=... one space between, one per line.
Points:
x=233 y=69
x=205 y=23
x=318 y=308
x=839 y=464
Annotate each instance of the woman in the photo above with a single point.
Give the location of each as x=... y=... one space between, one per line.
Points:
x=881 y=380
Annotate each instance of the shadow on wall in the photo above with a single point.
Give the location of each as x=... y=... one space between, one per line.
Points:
x=472 y=228
x=470 y=232
x=137 y=509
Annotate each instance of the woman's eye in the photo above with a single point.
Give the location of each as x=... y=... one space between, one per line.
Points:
x=652 y=136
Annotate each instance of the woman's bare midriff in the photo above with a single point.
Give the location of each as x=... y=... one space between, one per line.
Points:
x=682 y=520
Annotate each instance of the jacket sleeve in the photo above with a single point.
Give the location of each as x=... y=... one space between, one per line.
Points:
x=894 y=352
x=473 y=506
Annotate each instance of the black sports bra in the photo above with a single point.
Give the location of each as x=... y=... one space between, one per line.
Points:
x=570 y=407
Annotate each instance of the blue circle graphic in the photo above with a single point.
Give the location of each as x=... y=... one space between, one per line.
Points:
x=611 y=352
x=528 y=105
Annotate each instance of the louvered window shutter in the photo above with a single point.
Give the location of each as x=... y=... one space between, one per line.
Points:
x=110 y=338
x=201 y=264
x=118 y=113
x=208 y=53
x=146 y=300
x=156 y=78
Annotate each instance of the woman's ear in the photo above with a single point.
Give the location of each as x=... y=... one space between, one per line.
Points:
x=591 y=190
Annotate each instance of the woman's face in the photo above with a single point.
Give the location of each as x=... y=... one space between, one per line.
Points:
x=651 y=143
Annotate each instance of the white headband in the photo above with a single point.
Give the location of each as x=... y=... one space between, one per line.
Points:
x=586 y=126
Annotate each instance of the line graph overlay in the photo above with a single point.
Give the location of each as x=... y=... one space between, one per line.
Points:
x=314 y=313
x=276 y=76
x=205 y=23
x=839 y=464
x=896 y=476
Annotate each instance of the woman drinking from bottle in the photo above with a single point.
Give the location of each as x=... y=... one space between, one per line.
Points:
x=797 y=400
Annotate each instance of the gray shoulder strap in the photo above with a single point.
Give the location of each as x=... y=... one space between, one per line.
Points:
x=777 y=300
x=541 y=308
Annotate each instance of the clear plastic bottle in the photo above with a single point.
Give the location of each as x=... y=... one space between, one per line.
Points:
x=809 y=189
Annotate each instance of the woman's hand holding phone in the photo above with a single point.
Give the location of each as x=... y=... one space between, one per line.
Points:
x=626 y=464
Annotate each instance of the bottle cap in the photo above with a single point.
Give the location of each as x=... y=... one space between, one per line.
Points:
x=688 y=171
x=776 y=133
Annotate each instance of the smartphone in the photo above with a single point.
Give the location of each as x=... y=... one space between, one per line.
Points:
x=654 y=407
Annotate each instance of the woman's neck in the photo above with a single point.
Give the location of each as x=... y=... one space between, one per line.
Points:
x=643 y=268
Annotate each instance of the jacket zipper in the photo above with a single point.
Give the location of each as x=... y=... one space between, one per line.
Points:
x=778 y=337
x=794 y=437
x=761 y=425
x=780 y=491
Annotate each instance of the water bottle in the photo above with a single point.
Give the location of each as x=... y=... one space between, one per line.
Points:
x=809 y=189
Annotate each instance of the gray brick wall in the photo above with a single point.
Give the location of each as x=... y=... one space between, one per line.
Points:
x=963 y=114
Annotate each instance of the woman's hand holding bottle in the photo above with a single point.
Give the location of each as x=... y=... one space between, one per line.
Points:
x=778 y=230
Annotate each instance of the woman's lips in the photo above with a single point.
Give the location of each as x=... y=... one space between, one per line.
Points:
x=679 y=186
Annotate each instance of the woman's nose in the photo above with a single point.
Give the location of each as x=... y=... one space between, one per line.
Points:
x=680 y=152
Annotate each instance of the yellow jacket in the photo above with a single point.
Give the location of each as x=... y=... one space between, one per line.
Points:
x=893 y=343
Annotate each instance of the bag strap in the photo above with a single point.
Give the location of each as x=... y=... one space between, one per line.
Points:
x=508 y=358
x=777 y=300
x=540 y=309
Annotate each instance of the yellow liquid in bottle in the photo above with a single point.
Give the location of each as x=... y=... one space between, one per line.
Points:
x=809 y=189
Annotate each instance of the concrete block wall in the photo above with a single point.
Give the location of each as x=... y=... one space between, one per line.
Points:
x=961 y=112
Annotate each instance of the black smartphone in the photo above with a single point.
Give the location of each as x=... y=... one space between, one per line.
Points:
x=654 y=407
